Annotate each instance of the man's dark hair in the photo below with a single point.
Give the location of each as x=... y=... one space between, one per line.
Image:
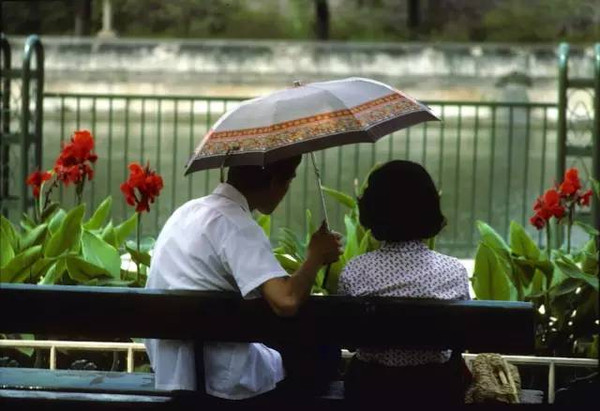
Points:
x=259 y=177
x=401 y=203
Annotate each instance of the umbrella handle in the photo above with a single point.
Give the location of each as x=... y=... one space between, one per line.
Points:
x=323 y=208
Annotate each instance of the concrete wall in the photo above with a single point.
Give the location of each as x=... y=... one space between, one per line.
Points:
x=219 y=67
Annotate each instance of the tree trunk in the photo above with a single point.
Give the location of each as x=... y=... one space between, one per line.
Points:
x=322 y=19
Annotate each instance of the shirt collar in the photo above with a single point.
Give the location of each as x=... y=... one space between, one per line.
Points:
x=414 y=245
x=232 y=193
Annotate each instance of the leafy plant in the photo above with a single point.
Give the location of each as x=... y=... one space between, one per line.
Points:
x=562 y=282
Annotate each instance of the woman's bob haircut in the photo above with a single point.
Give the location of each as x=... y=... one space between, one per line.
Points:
x=401 y=203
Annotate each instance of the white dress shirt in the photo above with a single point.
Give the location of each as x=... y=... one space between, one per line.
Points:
x=405 y=269
x=213 y=243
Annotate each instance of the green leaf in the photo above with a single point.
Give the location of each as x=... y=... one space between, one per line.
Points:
x=49 y=211
x=596 y=187
x=587 y=228
x=17 y=269
x=288 y=263
x=27 y=337
x=109 y=235
x=568 y=286
x=55 y=272
x=571 y=270
x=493 y=240
x=41 y=266
x=68 y=234
x=342 y=198
x=589 y=265
x=7 y=252
x=537 y=284
x=139 y=257
x=101 y=213
x=82 y=271
x=10 y=233
x=364 y=243
x=527 y=268
x=35 y=236
x=56 y=220
x=123 y=230
x=264 y=221
x=521 y=243
x=27 y=223
x=352 y=246
x=309 y=227
x=490 y=282
x=100 y=253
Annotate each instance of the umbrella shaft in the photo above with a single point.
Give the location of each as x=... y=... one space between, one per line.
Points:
x=320 y=189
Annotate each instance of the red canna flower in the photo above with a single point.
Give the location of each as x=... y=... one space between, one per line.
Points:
x=74 y=162
x=36 y=179
x=585 y=198
x=547 y=206
x=571 y=183
x=147 y=183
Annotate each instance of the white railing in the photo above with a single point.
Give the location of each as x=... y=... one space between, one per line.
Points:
x=131 y=347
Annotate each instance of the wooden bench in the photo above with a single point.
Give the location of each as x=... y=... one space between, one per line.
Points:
x=106 y=313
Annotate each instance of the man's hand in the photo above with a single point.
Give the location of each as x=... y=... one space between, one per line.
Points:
x=325 y=246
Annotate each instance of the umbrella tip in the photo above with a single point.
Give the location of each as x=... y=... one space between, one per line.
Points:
x=297 y=83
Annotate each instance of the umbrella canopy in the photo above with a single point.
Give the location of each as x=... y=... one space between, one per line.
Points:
x=306 y=118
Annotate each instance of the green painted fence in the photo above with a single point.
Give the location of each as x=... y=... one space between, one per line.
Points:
x=490 y=159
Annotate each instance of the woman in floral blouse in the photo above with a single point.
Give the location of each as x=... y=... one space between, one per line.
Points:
x=401 y=207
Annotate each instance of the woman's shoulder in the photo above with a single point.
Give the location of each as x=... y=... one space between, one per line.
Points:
x=448 y=261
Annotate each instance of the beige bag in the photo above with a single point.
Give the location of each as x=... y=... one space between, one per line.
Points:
x=494 y=380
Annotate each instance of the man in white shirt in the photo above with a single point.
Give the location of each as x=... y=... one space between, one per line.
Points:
x=213 y=243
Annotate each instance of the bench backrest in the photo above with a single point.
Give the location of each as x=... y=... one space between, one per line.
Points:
x=103 y=312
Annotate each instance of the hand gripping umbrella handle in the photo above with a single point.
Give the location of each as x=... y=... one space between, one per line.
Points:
x=323 y=208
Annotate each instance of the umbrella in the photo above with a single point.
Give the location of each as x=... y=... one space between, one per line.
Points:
x=306 y=118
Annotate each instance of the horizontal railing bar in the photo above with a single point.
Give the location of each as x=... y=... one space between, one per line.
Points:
x=124 y=346
x=73 y=345
x=217 y=98
x=579 y=82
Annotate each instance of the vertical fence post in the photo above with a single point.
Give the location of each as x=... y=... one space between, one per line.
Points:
x=561 y=132
x=5 y=118
x=596 y=141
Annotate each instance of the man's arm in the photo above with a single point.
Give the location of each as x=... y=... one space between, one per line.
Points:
x=286 y=294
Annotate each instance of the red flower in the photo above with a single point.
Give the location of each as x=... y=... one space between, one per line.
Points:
x=584 y=199
x=36 y=179
x=74 y=162
x=547 y=206
x=147 y=183
x=537 y=221
x=571 y=183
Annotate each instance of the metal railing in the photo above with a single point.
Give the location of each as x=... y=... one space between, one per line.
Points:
x=490 y=159
x=130 y=348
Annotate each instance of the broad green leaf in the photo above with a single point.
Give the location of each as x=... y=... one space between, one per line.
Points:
x=493 y=240
x=570 y=285
x=571 y=270
x=10 y=233
x=40 y=267
x=146 y=244
x=288 y=263
x=309 y=227
x=82 y=271
x=264 y=221
x=526 y=268
x=123 y=230
x=56 y=220
x=17 y=269
x=521 y=243
x=68 y=234
x=589 y=265
x=55 y=272
x=342 y=198
x=100 y=253
x=537 y=284
x=596 y=187
x=333 y=276
x=28 y=337
x=109 y=235
x=27 y=223
x=587 y=228
x=139 y=256
x=35 y=236
x=490 y=282
x=49 y=211
x=101 y=213
x=364 y=243
x=352 y=246
x=6 y=250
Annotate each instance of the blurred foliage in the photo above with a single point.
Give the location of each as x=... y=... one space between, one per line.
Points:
x=352 y=20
